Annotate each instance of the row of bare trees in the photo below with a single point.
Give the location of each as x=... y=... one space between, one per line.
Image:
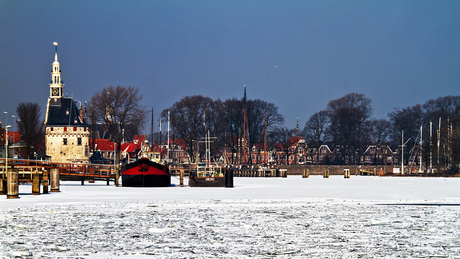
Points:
x=347 y=125
x=194 y=116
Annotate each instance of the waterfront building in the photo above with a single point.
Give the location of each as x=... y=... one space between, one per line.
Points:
x=66 y=132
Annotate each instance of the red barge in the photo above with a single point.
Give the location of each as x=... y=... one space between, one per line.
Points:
x=145 y=173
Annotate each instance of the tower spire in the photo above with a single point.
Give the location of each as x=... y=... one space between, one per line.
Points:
x=56 y=85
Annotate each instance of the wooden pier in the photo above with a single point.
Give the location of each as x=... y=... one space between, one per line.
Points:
x=49 y=175
x=259 y=172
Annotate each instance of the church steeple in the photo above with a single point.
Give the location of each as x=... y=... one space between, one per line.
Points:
x=56 y=85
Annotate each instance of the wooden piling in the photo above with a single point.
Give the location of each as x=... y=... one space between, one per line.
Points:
x=283 y=173
x=181 y=178
x=36 y=183
x=55 y=180
x=45 y=182
x=117 y=175
x=2 y=186
x=326 y=173
x=12 y=183
x=306 y=173
x=346 y=173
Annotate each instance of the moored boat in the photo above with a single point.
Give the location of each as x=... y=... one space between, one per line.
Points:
x=209 y=176
x=145 y=173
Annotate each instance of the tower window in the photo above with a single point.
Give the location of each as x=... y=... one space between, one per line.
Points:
x=79 y=141
x=64 y=141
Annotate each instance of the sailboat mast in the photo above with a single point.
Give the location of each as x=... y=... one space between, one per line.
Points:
x=265 y=139
x=421 y=134
x=439 y=137
x=431 y=147
x=244 y=127
x=167 y=156
x=402 y=152
x=151 y=132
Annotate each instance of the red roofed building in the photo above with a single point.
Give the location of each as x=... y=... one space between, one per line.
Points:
x=177 y=152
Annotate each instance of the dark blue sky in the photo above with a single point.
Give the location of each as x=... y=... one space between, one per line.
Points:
x=296 y=54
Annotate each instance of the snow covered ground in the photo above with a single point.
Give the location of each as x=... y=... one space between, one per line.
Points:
x=364 y=216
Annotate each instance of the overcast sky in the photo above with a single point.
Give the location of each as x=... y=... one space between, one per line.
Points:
x=298 y=55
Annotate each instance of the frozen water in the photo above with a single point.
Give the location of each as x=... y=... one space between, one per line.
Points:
x=261 y=217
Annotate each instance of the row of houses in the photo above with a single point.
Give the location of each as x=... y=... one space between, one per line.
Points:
x=296 y=153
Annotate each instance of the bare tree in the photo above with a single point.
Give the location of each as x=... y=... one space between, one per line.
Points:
x=284 y=138
x=30 y=126
x=118 y=108
x=350 y=124
x=408 y=119
x=315 y=128
x=186 y=118
x=234 y=124
x=381 y=129
x=257 y=112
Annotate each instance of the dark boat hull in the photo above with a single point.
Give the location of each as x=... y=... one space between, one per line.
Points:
x=206 y=182
x=145 y=173
x=225 y=181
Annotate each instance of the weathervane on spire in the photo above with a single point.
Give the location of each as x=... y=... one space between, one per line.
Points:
x=55 y=44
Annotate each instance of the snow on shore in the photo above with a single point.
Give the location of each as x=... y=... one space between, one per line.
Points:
x=260 y=217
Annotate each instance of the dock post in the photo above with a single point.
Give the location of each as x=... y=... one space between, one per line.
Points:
x=45 y=182
x=36 y=183
x=55 y=180
x=2 y=186
x=181 y=178
x=228 y=178
x=346 y=173
x=117 y=175
x=306 y=173
x=12 y=183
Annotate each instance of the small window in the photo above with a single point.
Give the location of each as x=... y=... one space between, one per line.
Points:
x=64 y=141
x=51 y=128
x=65 y=128
x=79 y=141
x=75 y=128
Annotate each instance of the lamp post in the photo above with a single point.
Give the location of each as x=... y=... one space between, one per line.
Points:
x=6 y=147
x=14 y=129
x=6 y=118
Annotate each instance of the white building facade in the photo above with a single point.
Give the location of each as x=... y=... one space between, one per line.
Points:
x=67 y=136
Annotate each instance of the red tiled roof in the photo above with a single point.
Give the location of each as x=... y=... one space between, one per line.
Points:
x=127 y=147
x=295 y=140
x=14 y=136
x=104 y=144
x=180 y=142
x=138 y=140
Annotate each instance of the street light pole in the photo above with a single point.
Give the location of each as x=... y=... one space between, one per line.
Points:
x=6 y=118
x=14 y=132
x=14 y=129
x=6 y=148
